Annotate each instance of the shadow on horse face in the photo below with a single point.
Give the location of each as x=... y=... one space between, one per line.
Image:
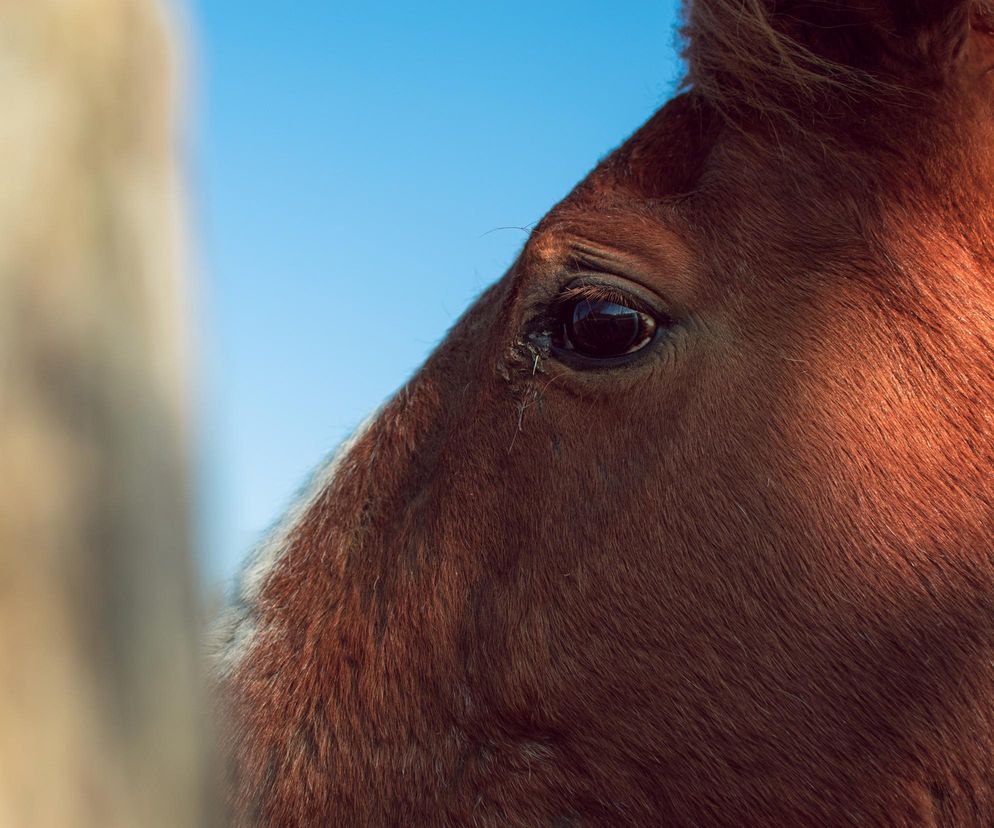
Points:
x=688 y=519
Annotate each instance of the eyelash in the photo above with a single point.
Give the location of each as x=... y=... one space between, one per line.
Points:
x=597 y=293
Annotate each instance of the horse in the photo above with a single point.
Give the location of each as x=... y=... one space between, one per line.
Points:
x=688 y=520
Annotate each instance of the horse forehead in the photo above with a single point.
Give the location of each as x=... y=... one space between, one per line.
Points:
x=665 y=158
x=639 y=187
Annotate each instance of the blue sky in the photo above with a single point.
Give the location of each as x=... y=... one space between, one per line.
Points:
x=351 y=165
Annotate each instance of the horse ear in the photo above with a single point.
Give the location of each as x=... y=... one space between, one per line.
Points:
x=787 y=56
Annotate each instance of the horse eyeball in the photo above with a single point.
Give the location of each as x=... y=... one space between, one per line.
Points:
x=601 y=329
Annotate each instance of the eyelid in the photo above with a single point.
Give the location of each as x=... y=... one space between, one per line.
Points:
x=601 y=293
x=614 y=288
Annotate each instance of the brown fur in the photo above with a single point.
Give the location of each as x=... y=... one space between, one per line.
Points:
x=744 y=580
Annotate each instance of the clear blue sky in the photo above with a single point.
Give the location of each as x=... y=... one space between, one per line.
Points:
x=351 y=162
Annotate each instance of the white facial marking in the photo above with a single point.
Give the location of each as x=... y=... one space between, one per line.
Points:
x=236 y=627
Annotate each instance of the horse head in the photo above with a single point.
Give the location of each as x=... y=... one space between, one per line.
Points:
x=688 y=520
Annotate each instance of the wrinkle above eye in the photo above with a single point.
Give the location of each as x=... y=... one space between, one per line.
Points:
x=657 y=259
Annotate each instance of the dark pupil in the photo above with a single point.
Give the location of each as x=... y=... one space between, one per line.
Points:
x=603 y=329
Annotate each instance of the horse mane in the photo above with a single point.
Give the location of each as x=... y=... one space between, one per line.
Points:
x=799 y=62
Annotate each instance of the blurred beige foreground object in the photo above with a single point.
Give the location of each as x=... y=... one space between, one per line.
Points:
x=98 y=618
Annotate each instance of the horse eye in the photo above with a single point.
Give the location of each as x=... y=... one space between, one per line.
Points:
x=602 y=329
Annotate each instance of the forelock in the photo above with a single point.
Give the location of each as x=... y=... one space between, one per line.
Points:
x=804 y=64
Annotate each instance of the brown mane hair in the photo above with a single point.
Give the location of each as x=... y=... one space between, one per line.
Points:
x=771 y=60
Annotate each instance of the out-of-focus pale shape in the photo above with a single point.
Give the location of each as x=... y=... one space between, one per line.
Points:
x=98 y=618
